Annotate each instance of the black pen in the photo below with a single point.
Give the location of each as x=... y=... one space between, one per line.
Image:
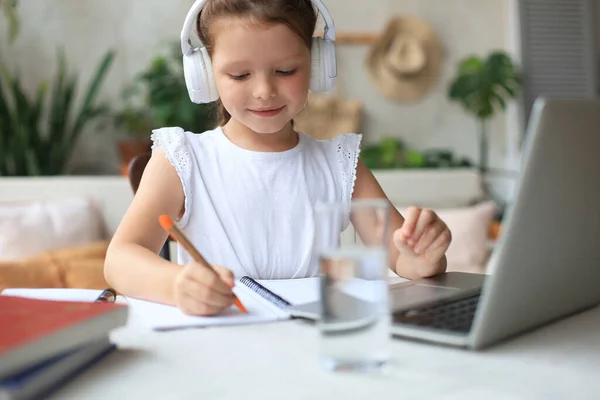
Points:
x=107 y=296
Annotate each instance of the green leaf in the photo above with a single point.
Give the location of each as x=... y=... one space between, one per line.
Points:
x=163 y=114
x=56 y=119
x=483 y=86
x=498 y=98
x=14 y=24
x=509 y=91
x=370 y=157
x=186 y=114
x=19 y=141
x=415 y=158
x=91 y=93
x=470 y=65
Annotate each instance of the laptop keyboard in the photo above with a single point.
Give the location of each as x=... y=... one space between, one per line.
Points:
x=455 y=316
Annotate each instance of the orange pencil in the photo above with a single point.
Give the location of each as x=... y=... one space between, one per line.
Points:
x=168 y=225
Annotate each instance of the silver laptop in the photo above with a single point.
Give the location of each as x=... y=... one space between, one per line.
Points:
x=546 y=265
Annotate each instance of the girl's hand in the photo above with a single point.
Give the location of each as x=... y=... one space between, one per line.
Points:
x=423 y=239
x=200 y=290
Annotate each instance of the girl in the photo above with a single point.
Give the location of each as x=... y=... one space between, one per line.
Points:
x=244 y=192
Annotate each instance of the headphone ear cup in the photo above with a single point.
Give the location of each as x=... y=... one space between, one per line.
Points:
x=329 y=63
x=316 y=69
x=213 y=94
x=197 y=70
x=323 y=65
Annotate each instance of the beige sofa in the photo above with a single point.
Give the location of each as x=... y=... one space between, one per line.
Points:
x=437 y=189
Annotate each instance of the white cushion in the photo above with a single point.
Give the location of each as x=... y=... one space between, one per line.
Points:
x=30 y=228
x=112 y=194
x=470 y=233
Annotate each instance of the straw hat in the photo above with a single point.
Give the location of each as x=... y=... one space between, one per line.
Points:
x=406 y=61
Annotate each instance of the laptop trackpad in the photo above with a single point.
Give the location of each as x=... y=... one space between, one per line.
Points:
x=409 y=296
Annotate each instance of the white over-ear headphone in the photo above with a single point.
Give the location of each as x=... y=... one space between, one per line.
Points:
x=197 y=66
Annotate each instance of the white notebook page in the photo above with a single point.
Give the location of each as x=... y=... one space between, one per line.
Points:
x=164 y=317
x=295 y=291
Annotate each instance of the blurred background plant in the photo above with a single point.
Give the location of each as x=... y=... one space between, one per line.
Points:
x=483 y=86
x=157 y=97
x=39 y=133
x=391 y=153
x=9 y=9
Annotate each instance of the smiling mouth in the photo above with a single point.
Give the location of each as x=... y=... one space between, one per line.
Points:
x=267 y=112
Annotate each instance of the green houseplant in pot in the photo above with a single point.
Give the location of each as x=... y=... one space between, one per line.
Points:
x=38 y=135
x=158 y=97
x=483 y=87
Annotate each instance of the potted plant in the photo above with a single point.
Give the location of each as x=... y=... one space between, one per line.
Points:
x=482 y=87
x=391 y=153
x=38 y=136
x=156 y=98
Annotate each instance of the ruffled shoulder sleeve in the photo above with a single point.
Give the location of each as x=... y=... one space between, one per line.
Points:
x=172 y=141
x=348 y=151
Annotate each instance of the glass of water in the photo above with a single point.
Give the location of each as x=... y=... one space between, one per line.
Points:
x=351 y=241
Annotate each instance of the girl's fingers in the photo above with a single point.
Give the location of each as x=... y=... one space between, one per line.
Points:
x=410 y=221
x=426 y=219
x=192 y=306
x=225 y=274
x=442 y=242
x=432 y=232
x=438 y=248
x=402 y=244
x=206 y=276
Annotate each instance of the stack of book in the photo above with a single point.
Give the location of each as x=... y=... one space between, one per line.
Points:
x=44 y=343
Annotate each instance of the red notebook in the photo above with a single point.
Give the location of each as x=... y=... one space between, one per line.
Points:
x=32 y=330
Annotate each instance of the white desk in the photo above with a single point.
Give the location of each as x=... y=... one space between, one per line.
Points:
x=278 y=361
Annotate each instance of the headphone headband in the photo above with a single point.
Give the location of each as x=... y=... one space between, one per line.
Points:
x=190 y=19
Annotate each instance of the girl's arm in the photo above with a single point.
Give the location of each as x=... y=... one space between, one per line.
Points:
x=421 y=258
x=133 y=266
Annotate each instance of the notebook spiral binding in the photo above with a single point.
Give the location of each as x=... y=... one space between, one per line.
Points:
x=264 y=292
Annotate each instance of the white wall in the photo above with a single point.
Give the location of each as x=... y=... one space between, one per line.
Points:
x=136 y=28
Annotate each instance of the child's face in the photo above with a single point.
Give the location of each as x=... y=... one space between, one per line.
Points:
x=262 y=73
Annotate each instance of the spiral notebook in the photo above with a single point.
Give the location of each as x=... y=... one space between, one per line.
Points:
x=265 y=300
x=300 y=295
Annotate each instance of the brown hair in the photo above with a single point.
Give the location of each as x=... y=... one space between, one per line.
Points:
x=299 y=15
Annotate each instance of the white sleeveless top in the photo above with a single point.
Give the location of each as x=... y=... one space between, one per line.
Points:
x=252 y=212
